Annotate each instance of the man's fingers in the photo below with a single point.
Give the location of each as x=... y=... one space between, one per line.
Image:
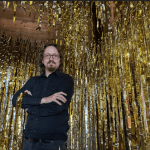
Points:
x=28 y=92
x=62 y=93
x=58 y=102
x=59 y=94
x=60 y=97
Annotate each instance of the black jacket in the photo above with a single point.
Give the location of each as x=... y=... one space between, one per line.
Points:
x=50 y=120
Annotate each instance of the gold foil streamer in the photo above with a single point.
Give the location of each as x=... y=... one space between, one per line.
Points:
x=13 y=119
x=41 y=10
x=31 y=2
x=8 y=3
x=18 y=130
x=49 y=14
x=15 y=7
x=110 y=105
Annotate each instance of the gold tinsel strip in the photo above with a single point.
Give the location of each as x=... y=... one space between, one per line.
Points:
x=12 y=130
x=110 y=105
x=15 y=7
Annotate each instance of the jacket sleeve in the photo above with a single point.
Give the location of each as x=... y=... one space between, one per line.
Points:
x=49 y=109
x=27 y=100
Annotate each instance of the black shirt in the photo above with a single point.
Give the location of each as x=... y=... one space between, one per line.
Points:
x=50 y=120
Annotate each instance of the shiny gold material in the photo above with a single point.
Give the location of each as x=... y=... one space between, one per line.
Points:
x=15 y=7
x=110 y=108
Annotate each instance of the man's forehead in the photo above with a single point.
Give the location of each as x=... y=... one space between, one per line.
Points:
x=51 y=49
x=51 y=53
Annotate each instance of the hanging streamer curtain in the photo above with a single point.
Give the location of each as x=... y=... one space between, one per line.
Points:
x=110 y=105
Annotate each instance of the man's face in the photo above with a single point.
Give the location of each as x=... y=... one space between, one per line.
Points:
x=51 y=64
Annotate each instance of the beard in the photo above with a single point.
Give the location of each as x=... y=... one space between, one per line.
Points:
x=51 y=66
x=51 y=69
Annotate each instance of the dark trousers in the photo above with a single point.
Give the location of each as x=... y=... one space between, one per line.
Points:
x=52 y=145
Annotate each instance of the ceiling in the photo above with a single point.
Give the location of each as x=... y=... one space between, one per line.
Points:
x=25 y=26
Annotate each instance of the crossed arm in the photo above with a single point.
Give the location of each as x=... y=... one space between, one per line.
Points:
x=51 y=106
x=51 y=98
x=45 y=106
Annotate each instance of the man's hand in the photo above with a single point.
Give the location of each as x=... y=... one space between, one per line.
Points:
x=53 y=98
x=26 y=91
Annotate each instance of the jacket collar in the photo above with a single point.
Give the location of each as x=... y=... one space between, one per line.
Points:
x=56 y=72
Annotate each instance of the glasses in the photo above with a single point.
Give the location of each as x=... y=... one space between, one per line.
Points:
x=55 y=56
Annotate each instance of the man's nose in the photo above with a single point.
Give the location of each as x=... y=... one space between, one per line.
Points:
x=51 y=60
x=51 y=57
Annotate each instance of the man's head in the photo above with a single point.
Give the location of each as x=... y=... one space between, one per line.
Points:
x=51 y=58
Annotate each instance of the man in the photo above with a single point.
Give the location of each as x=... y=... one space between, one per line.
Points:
x=47 y=99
